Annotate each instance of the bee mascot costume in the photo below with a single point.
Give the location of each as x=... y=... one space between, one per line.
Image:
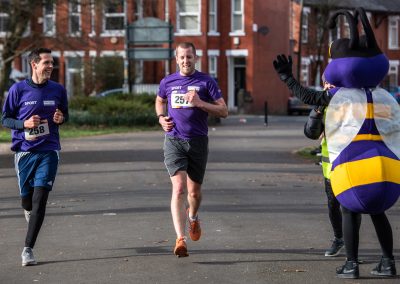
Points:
x=362 y=129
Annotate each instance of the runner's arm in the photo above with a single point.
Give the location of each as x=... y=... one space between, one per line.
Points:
x=11 y=123
x=217 y=108
x=160 y=106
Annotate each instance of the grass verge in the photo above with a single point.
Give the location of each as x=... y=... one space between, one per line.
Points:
x=307 y=153
x=67 y=131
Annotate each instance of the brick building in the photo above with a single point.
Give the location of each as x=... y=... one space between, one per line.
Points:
x=384 y=18
x=236 y=41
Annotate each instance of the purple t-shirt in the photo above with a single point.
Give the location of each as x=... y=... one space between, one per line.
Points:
x=189 y=121
x=23 y=101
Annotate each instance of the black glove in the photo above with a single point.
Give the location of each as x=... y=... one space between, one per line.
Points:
x=283 y=66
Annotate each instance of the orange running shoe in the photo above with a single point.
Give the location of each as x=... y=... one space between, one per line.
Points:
x=194 y=229
x=180 y=249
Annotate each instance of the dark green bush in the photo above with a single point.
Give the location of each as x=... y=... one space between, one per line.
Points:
x=113 y=110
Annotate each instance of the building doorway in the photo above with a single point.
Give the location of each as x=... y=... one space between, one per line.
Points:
x=236 y=76
x=239 y=77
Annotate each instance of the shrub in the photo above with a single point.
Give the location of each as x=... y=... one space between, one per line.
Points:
x=113 y=110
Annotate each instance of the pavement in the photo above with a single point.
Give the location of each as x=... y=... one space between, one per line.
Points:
x=264 y=214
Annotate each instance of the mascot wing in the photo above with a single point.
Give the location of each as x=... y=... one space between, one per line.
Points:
x=344 y=117
x=387 y=119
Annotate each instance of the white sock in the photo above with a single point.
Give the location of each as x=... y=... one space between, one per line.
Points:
x=193 y=218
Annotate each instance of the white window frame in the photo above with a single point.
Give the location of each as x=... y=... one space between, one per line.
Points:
x=5 y=16
x=304 y=25
x=139 y=67
x=179 y=14
x=28 y=29
x=394 y=71
x=92 y=18
x=346 y=27
x=199 y=54
x=75 y=14
x=393 y=32
x=338 y=30
x=237 y=13
x=213 y=55
x=213 y=18
x=25 y=66
x=139 y=9
x=68 y=55
x=51 y=17
x=305 y=71
x=121 y=32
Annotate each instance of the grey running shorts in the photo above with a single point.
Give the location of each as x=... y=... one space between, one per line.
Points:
x=189 y=155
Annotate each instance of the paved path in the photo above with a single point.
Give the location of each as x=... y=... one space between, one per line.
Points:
x=264 y=214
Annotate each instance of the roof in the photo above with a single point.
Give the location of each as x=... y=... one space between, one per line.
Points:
x=385 y=6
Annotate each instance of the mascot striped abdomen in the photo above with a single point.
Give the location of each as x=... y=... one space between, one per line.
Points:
x=362 y=125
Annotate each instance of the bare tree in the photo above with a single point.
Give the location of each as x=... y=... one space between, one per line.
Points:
x=19 y=12
x=317 y=44
x=322 y=33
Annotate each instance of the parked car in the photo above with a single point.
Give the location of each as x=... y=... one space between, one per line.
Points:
x=295 y=105
x=110 y=92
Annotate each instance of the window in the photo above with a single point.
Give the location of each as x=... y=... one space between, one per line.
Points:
x=92 y=18
x=138 y=71
x=74 y=76
x=304 y=25
x=26 y=68
x=237 y=21
x=4 y=18
x=212 y=17
x=188 y=16
x=393 y=32
x=199 y=54
x=334 y=34
x=393 y=74
x=74 y=17
x=114 y=17
x=49 y=18
x=212 y=66
x=304 y=72
x=346 y=27
x=138 y=9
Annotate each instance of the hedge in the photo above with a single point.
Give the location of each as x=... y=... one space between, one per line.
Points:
x=113 y=110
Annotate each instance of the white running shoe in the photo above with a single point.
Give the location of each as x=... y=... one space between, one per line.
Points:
x=27 y=257
x=27 y=215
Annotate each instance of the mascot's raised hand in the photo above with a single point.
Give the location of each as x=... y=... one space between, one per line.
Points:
x=283 y=66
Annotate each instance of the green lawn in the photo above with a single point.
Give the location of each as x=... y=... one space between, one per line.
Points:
x=74 y=132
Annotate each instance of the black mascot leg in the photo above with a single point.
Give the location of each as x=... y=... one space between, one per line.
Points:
x=351 y=229
x=384 y=233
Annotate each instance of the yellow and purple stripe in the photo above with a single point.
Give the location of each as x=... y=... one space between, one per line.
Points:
x=365 y=176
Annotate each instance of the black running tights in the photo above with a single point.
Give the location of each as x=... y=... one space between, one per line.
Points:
x=335 y=216
x=351 y=228
x=36 y=203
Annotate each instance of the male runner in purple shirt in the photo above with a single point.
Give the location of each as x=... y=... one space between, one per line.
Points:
x=191 y=96
x=33 y=110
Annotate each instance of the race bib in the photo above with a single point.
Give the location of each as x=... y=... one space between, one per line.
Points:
x=178 y=100
x=41 y=130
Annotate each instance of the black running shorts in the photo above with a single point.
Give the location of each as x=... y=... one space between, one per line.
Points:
x=189 y=155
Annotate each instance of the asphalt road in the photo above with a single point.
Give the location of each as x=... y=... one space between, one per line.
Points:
x=264 y=214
